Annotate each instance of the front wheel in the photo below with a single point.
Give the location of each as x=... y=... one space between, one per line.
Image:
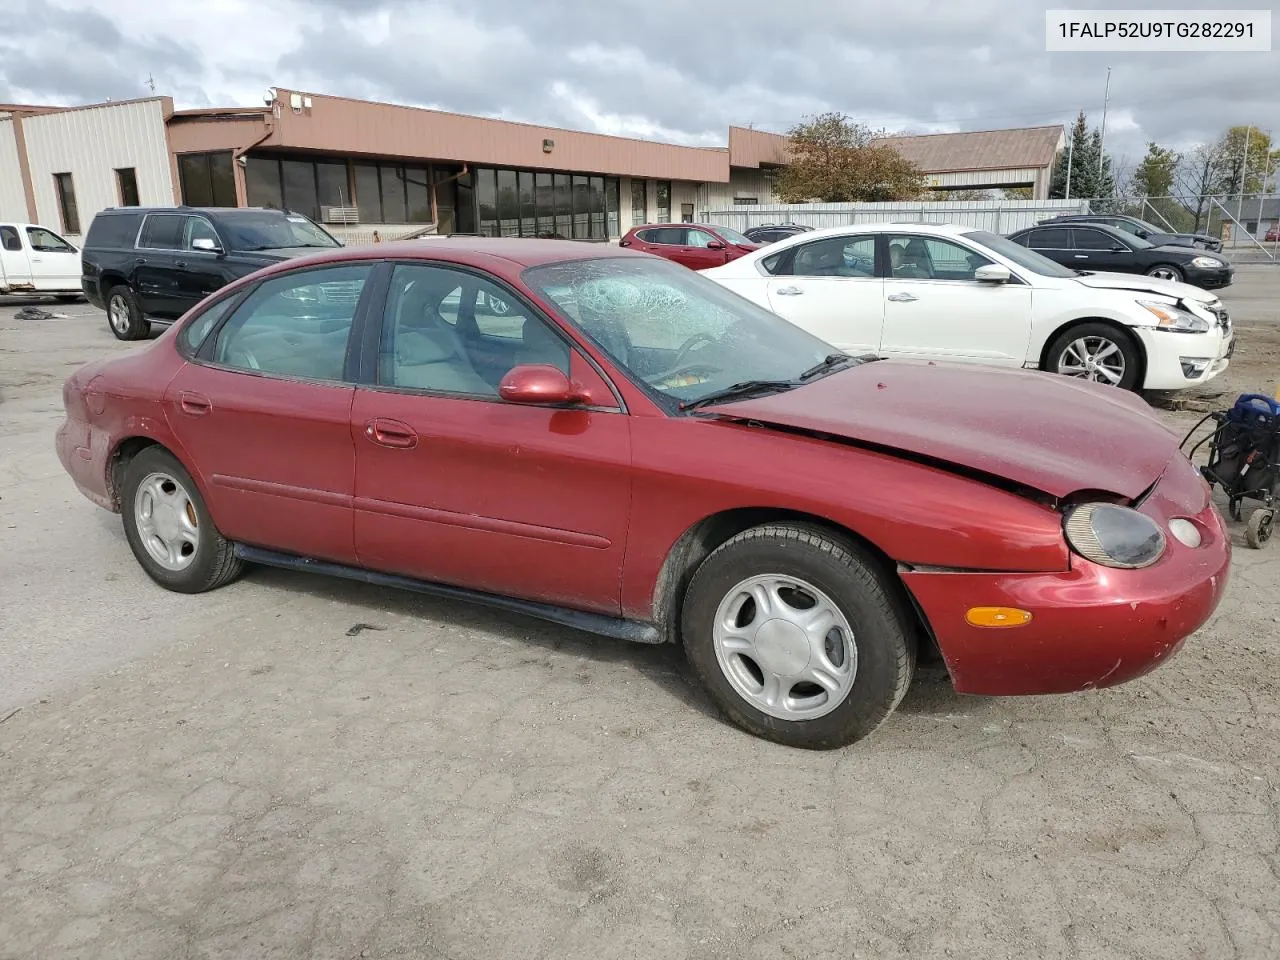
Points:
x=1261 y=525
x=1165 y=271
x=1097 y=352
x=797 y=636
x=169 y=528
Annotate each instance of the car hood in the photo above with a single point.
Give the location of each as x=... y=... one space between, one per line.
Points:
x=1141 y=284
x=1053 y=434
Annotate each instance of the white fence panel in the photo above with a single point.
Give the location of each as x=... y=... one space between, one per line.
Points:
x=998 y=216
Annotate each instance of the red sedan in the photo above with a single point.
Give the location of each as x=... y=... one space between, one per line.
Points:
x=695 y=245
x=633 y=450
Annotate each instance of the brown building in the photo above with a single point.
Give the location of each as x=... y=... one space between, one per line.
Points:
x=359 y=166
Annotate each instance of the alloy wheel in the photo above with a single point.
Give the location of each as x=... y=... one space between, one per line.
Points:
x=118 y=314
x=785 y=647
x=1093 y=358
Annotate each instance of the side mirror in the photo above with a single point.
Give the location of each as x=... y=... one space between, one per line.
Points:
x=993 y=273
x=205 y=244
x=538 y=383
x=715 y=245
x=1119 y=248
x=624 y=243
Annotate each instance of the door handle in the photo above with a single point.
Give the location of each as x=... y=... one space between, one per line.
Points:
x=36 y=260
x=139 y=259
x=1082 y=256
x=788 y=291
x=902 y=298
x=181 y=264
x=391 y=433
x=193 y=404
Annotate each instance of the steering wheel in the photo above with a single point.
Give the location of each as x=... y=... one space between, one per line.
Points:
x=687 y=347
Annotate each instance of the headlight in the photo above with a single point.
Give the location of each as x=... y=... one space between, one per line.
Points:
x=1114 y=536
x=1206 y=263
x=1169 y=317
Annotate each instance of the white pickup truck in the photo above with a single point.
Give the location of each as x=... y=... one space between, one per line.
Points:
x=34 y=259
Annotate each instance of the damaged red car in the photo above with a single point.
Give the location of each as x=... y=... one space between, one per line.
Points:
x=632 y=450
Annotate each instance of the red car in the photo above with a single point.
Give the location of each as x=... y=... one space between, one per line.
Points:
x=696 y=245
x=1273 y=234
x=633 y=450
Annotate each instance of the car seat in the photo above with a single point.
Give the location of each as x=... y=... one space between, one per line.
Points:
x=425 y=350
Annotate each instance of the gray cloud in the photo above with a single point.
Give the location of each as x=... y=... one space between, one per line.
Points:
x=671 y=70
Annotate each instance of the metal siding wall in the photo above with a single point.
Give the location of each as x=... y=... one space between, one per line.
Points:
x=998 y=216
x=90 y=144
x=13 y=200
x=969 y=178
x=742 y=183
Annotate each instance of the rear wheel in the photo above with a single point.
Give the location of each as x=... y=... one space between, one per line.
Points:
x=797 y=636
x=1261 y=525
x=1097 y=352
x=1165 y=271
x=169 y=528
x=124 y=316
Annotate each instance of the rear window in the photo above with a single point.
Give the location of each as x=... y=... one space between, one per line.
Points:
x=669 y=235
x=163 y=231
x=113 y=230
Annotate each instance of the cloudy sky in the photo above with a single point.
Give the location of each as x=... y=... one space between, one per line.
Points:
x=645 y=68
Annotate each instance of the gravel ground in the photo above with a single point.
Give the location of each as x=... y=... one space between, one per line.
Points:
x=296 y=767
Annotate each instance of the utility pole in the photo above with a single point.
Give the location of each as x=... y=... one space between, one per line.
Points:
x=1071 y=145
x=1244 y=169
x=1102 y=136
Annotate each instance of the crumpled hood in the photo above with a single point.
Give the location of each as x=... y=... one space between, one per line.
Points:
x=1141 y=284
x=1053 y=434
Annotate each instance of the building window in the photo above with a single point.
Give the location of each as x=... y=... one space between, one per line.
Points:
x=745 y=201
x=395 y=207
x=525 y=203
x=612 y=191
x=639 y=202
x=262 y=186
x=207 y=180
x=368 y=193
x=487 y=202
x=563 y=206
x=294 y=183
x=686 y=213
x=417 y=190
x=664 y=201
x=508 y=204
x=127 y=186
x=67 y=202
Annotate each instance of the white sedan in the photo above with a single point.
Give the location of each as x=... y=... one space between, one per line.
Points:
x=942 y=292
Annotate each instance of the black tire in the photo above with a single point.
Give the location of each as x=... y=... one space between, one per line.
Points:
x=1092 y=330
x=213 y=563
x=1261 y=525
x=124 y=316
x=879 y=620
x=1175 y=272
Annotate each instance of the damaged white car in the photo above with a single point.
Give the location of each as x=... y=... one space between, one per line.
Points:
x=943 y=292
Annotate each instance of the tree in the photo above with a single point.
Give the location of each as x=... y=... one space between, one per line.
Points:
x=1089 y=178
x=1245 y=161
x=836 y=159
x=1018 y=193
x=968 y=195
x=1153 y=177
x=1196 y=175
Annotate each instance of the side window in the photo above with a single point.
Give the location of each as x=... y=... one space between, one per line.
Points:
x=193 y=334
x=198 y=228
x=773 y=264
x=1049 y=238
x=47 y=241
x=452 y=332
x=671 y=236
x=162 y=231
x=836 y=257
x=10 y=238
x=915 y=257
x=295 y=325
x=1086 y=239
x=700 y=238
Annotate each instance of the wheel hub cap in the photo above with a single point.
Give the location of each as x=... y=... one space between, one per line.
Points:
x=166 y=520
x=782 y=648
x=785 y=647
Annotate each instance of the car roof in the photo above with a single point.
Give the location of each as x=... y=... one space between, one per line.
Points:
x=205 y=211
x=886 y=226
x=694 y=226
x=516 y=251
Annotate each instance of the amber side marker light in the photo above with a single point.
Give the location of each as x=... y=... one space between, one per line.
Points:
x=997 y=616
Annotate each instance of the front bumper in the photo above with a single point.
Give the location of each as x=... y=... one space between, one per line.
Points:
x=1211 y=279
x=1091 y=626
x=1166 y=353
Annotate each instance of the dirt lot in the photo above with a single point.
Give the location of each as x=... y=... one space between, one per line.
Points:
x=296 y=767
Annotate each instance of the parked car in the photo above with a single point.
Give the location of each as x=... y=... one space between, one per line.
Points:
x=634 y=450
x=1097 y=247
x=937 y=292
x=151 y=265
x=1141 y=229
x=773 y=232
x=696 y=245
x=34 y=259
x=1273 y=234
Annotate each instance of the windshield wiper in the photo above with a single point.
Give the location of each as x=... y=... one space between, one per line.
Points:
x=738 y=391
x=830 y=362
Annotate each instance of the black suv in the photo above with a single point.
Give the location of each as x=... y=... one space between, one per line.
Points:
x=1140 y=229
x=143 y=265
x=773 y=232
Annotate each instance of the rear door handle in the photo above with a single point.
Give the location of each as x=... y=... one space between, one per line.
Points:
x=391 y=433
x=788 y=291
x=140 y=260
x=193 y=404
x=1082 y=256
x=181 y=264
x=902 y=298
